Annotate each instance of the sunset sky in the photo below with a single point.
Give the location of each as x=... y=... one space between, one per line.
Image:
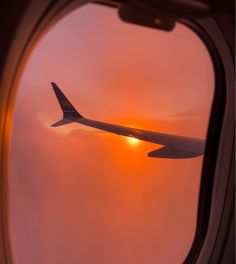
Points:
x=80 y=195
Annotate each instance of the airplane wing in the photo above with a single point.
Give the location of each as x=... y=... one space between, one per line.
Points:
x=175 y=147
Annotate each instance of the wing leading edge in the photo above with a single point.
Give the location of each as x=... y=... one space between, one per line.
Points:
x=175 y=147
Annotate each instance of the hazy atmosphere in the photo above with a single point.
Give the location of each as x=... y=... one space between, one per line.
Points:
x=80 y=195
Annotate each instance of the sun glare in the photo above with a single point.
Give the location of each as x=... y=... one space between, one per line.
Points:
x=133 y=141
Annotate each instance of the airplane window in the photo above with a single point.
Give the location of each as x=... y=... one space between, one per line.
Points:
x=124 y=190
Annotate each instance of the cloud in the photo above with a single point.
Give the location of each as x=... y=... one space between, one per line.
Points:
x=86 y=196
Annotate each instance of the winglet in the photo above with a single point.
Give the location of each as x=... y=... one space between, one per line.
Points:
x=62 y=122
x=67 y=108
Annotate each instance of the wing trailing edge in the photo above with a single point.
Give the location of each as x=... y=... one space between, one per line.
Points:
x=172 y=153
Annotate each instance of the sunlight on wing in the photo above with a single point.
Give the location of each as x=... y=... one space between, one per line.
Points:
x=133 y=141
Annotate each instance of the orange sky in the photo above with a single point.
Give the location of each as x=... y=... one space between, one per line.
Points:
x=79 y=195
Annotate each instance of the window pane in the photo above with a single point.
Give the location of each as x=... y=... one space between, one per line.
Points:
x=82 y=195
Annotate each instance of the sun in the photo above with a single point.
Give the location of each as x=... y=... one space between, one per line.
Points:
x=133 y=141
